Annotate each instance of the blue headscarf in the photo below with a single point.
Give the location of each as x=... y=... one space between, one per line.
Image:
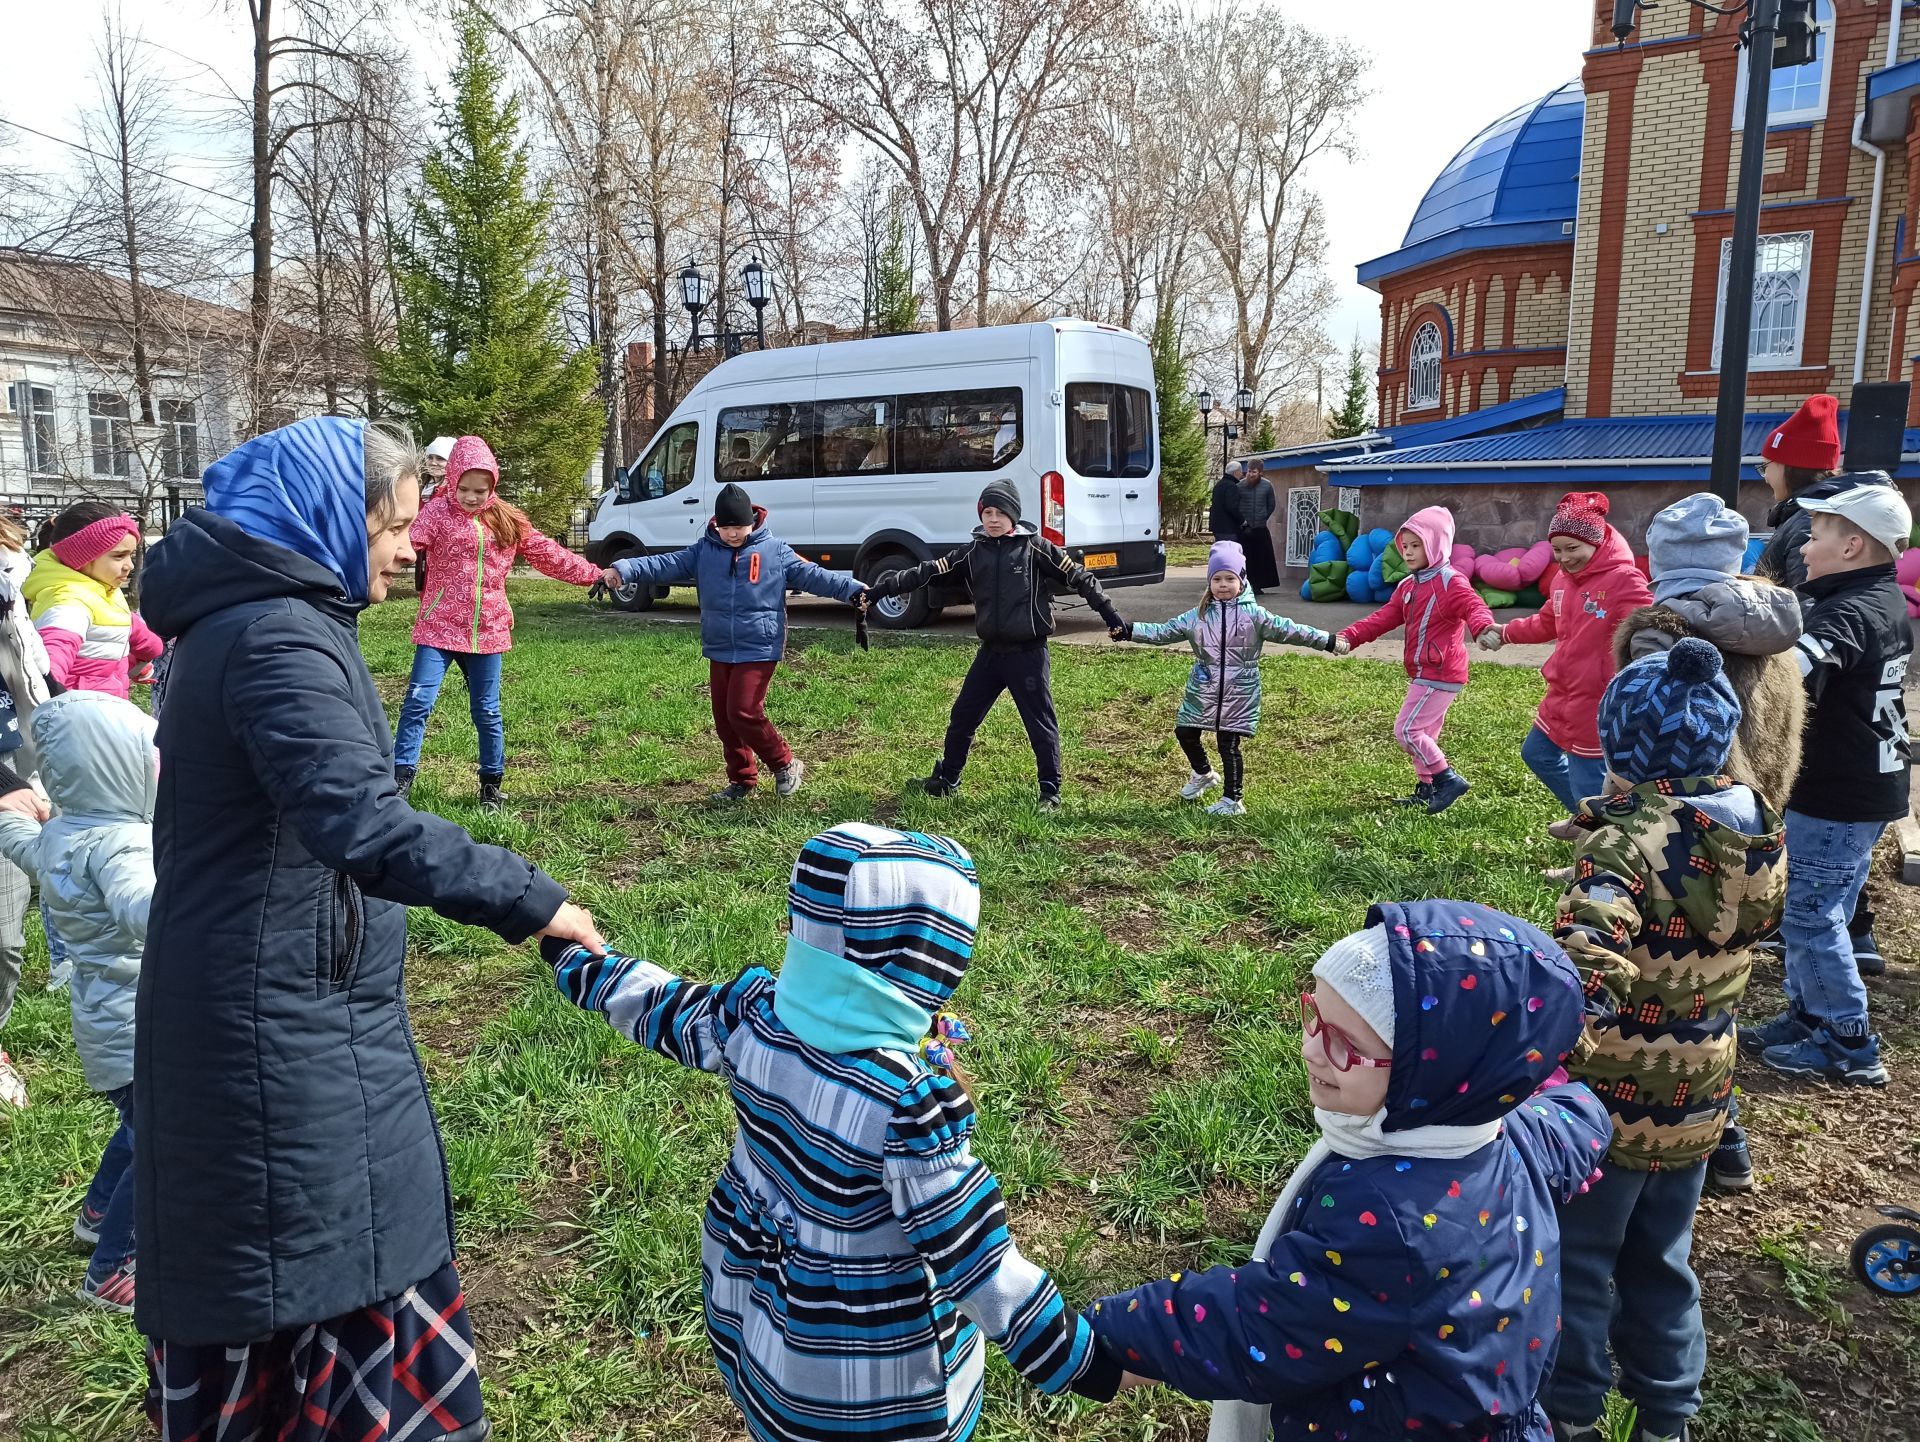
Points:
x=304 y=487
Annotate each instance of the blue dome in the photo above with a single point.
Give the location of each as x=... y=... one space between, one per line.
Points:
x=1515 y=183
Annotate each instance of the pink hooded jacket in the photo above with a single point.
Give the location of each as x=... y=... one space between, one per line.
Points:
x=463 y=606
x=1582 y=613
x=1436 y=606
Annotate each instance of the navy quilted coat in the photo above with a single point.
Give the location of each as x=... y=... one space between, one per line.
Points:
x=1410 y=1296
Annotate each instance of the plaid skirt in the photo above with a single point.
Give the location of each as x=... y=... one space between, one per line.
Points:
x=402 y=1370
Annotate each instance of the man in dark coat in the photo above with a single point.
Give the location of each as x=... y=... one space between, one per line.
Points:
x=1257 y=505
x=1223 y=512
x=288 y=1171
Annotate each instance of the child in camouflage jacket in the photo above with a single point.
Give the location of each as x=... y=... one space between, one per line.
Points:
x=1676 y=874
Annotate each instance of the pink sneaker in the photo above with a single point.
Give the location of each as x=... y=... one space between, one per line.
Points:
x=13 y=1091
x=115 y=1294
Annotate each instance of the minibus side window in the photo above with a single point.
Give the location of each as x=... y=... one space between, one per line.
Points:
x=856 y=438
x=958 y=430
x=666 y=468
x=1109 y=430
x=765 y=443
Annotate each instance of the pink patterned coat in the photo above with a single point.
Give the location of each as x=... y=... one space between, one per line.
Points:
x=463 y=606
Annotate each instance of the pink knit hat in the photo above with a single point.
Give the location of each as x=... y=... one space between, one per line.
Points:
x=90 y=543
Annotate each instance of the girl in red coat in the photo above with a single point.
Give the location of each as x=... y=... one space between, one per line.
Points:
x=470 y=539
x=1436 y=604
x=1596 y=586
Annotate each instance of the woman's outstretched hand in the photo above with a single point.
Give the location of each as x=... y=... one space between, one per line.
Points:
x=575 y=923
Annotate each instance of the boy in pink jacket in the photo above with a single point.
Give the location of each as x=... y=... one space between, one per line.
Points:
x=1597 y=585
x=1437 y=605
x=469 y=539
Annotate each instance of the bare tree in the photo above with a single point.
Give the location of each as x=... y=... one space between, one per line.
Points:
x=1282 y=99
x=964 y=98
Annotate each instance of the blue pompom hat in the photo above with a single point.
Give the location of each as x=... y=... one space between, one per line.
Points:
x=1671 y=714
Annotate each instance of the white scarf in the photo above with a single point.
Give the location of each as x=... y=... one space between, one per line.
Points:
x=1341 y=1135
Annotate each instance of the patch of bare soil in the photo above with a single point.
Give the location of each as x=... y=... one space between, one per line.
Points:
x=1824 y=1158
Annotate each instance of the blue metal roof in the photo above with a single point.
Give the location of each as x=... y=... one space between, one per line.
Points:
x=1516 y=183
x=1573 y=452
x=1888 y=92
x=1428 y=433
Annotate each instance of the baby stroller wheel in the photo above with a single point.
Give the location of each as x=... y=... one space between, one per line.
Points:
x=1887 y=1257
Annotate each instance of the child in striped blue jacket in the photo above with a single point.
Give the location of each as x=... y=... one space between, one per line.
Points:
x=855 y=1248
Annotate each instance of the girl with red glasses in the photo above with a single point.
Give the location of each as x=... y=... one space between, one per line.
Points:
x=1408 y=1277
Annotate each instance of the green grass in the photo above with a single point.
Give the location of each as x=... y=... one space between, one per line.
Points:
x=1136 y=1059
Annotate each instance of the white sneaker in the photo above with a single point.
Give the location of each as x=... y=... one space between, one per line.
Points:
x=1199 y=784
x=787 y=779
x=13 y=1091
x=1567 y=828
x=1227 y=806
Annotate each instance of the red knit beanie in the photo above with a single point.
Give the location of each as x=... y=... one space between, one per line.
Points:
x=1810 y=438
x=90 y=543
x=1581 y=515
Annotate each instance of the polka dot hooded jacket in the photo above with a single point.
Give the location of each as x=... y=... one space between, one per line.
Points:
x=1409 y=1296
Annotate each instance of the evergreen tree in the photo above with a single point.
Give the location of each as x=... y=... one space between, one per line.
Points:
x=481 y=349
x=1353 y=418
x=1184 y=482
x=896 y=308
x=1264 y=437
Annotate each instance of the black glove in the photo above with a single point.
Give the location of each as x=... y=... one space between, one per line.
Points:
x=598 y=590
x=860 y=628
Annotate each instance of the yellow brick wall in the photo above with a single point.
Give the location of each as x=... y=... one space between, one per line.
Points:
x=1586 y=236
x=1542 y=314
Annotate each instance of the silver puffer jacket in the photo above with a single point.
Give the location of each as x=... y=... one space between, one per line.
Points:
x=1223 y=689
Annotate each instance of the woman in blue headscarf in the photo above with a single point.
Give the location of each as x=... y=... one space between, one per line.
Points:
x=295 y=1227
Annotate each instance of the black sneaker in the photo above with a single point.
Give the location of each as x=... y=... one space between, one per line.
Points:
x=403 y=782
x=492 y=798
x=1049 y=800
x=1730 y=1168
x=1566 y=1432
x=938 y=785
x=732 y=791
x=1866 y=955
x=1422 y=794
x=1448 y=787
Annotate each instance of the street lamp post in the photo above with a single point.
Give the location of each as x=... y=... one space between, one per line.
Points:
x=754 y=276
x=1204 y=399
x=1736 y=332
x=1243 y=403
x=693 y=295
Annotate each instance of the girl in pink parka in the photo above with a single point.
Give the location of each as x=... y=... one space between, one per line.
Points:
x=1597 y=585
x=1436 y=605
x=77 y=589
x=469 y=539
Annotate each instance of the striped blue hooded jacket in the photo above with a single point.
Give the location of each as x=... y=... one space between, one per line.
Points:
x=854 y=1246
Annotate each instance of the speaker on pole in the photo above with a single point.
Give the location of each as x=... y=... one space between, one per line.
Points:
x=1877 y=426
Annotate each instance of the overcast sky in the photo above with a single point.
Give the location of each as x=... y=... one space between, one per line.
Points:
x=1441 y=72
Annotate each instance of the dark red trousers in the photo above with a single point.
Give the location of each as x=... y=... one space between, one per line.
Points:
x=740 y=716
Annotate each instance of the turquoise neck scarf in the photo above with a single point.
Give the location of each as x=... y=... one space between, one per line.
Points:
x=838 y=1006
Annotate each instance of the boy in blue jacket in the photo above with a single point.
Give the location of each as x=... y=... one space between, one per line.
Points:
x=743 y=574
x=1408 y=1279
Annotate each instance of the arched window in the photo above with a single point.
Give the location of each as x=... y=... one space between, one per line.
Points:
x=1423 y=369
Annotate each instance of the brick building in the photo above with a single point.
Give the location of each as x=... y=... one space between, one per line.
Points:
x=1551 y=320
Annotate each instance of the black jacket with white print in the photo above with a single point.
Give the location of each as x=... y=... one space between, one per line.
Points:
x=1854 y=657
x=1011 y=579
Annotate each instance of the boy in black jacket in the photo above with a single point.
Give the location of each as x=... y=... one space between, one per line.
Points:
x=1008 y=568
x=1852 y=782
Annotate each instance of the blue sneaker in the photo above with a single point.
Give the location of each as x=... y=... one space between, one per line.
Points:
x=1784 y=1030
x=1448 y=787
x=1824 y=1055
x=1730 y=1168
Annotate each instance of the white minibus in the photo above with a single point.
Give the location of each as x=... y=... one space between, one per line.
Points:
x=870 y=454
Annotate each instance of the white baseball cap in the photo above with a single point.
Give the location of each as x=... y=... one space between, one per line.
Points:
x=441 y=446
x=1878 y=510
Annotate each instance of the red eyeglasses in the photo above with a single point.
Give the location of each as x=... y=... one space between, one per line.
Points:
x=1339 y=1047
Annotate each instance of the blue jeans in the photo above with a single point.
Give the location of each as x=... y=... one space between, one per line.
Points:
x=1571 y=779
x=1827 y=864
x=111 y=1194
x=1624 y=1278
x=483 y=698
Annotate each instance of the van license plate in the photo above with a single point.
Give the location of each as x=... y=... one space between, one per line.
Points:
x=1101 y=561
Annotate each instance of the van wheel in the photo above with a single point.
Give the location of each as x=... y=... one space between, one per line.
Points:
x=896 y=613
x=641 y=597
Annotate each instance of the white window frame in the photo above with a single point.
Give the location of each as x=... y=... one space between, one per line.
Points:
x=119 y=436
x=1823 y=16
x=1423 y=358
x=1775 y=361
x=39 y=463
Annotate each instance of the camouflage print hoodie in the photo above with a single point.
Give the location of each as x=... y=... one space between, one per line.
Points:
x=1674 y=881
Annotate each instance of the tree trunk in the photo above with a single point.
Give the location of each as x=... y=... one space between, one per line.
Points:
x=136 y=299
x=662 y=369
x=601 y=241
x=260 y=303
